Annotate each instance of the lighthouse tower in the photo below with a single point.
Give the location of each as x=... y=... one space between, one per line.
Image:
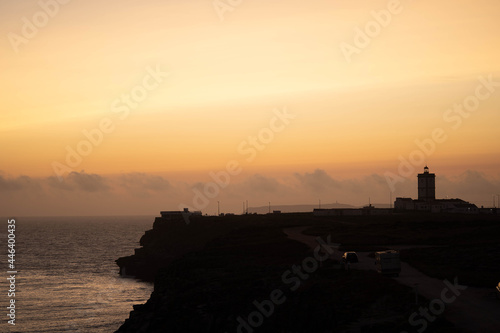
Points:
x=426 y=185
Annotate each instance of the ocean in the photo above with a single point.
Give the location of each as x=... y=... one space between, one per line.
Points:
x=67 y=279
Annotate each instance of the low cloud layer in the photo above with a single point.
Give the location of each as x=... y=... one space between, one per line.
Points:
x=140 y=193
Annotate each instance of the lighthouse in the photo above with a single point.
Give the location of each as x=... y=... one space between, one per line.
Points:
x=426 y=185
x=427 y=199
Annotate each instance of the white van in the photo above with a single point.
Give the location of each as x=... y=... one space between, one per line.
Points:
x=388 y=262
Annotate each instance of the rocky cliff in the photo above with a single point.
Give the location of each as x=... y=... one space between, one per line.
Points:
x=226 y=274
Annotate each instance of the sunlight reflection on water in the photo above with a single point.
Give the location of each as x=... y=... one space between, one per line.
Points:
x=67 y=276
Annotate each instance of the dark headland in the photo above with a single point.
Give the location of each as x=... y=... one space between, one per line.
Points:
x=220 y=273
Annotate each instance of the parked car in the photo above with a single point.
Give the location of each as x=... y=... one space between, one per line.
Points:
x=350 y=257
x=498 y=290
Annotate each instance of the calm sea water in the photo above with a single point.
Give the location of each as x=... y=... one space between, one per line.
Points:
x=67 y=278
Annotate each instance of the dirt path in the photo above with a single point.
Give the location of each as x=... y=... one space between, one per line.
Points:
x=473 y=310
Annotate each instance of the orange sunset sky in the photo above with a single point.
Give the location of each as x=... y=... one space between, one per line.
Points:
x=171 y=91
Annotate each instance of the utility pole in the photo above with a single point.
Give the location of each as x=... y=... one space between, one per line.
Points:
x=269 y=207
x=218 y=208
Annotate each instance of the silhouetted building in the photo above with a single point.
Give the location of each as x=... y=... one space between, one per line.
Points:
x=426 y=185
x=404 y=204
x=427 y=199
x=177 y=214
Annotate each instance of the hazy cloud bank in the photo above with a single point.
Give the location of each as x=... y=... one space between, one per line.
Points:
x=84 y=193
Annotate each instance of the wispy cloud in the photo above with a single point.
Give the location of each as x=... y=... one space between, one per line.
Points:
x=318 y=181
x=470 y=184
x=18 y=184
x=142 y=184
x=79 y=181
